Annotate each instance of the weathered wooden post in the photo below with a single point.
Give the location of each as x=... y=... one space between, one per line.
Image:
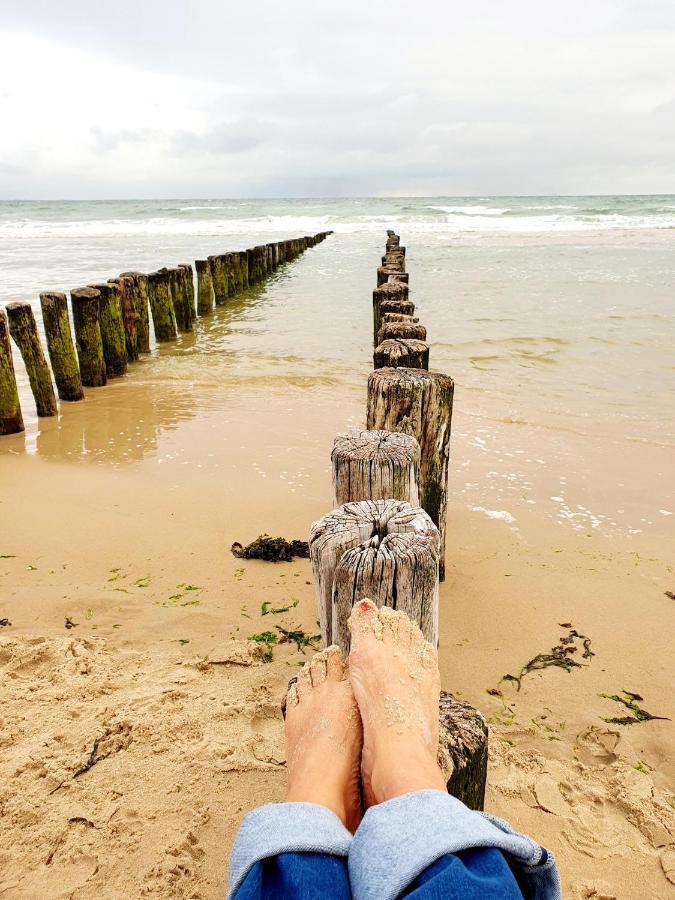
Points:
x=60 y=346
x=204 y=287
x=189 y=290
x=383 y=549
x=401 y=330
x=219 y=279
x=375 y=465
x=179 y=297
x=161 y=306
x=385 y=293
x=405 y=307
x=11 y=420
x=418 y=403
x=112 y=328
x=140 y=294
x=390 y=317
x=23 y=329
x=129 y=315
x=463 y=739
x=257 y=264
x=232 y=269
x=86 y=318
x=243 y=269
x=397 y=352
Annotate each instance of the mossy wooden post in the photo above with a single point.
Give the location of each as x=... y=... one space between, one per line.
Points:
x=463 y=737
x=188 y=291
x=257 y=263
x=219 y=279
x=86 y=318
x=112 y=329
x=401 y=352
x=375 y=465
x=129 y=315
x=243 y=269
x=418 y=403
x=140 y=296
x=179 y=297
x=60 y=346
x=383 y=549
x=161 y=306
x=23 y=330
x=11 y=420
x=204 y=287
x=232 y=268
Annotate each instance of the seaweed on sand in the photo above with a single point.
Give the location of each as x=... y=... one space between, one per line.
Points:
x=271 y=549
x=561 y=656
x=631 y=701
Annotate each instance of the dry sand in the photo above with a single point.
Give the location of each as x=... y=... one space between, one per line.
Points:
x=133 y=742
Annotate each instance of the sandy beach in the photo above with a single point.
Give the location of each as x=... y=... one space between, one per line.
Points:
x=135 y=740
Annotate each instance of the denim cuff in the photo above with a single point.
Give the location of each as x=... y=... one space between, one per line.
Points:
x=285 y=828
x=399 y=839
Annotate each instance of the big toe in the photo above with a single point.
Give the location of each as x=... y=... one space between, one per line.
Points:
x=364 y=622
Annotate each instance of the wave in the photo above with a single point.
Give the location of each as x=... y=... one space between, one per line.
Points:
x=475 y=209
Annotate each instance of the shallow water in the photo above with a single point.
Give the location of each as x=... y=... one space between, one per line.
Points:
x=553 y=315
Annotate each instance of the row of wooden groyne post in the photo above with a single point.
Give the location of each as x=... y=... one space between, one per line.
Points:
x=385 y=538
x=112 y=323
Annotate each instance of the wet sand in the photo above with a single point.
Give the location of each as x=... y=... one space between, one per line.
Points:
x=134 y=741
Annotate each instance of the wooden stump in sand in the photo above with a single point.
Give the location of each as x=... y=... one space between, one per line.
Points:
x=23 y=329
x=418 y=403
x=141 y=305
x=375 y=465
x=11 y=420
x=161 y=306
x=204 y=287
x=383 y=549
x=395 y=352
x=404 y=331
x=86 y=319
x=463 y=739
x=60 y=346
x=112 y=328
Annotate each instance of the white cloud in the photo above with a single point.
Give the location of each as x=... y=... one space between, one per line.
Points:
x=213 y=99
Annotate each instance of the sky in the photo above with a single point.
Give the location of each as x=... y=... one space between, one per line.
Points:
x=216 y=98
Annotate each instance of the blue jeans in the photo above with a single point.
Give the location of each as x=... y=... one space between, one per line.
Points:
x=424 y=844
x=471 y=875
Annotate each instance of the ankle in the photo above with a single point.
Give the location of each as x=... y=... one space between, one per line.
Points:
x=321 y=796
x=406 y=776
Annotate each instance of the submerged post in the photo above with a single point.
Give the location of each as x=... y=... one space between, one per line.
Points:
x=60 y=346
x=375 y=465
x=383 y=549
x=418 y=403
x=24 y=331
x=161 y=305
x=204 y=287
x=219 y=279
x=179 y=298
x=112 y=329
x=86 y=318
x=11 y=420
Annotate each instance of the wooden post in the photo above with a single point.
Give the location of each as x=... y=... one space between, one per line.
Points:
x=23 y=329
x=407 y=331
x=463 y=743
x=233 y=275
x=140 y=294
x=161 y=306
x=375 y=465
x=60 y=346
x=384 y=294
x=383 y=549
x=405 y=307
x=418 y=403
x=390 y=317
x=401 y=352
x=86 y=318
x=219 y=279
x=179 y=298
x=112 y=329
x=129 y=315
x=11 y=420
x=257 y=263
x=189 y=291
x=204 y=287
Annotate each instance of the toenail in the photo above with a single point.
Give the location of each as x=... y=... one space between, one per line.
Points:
x=364 y=605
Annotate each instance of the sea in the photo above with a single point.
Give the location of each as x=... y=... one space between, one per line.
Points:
x=554 y=315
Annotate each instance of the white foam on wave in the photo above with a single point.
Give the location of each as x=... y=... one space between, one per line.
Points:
x=474 y=209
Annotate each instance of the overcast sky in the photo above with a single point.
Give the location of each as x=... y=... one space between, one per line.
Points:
x=243 y=98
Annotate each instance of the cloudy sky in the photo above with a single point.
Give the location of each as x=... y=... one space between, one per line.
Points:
x=215 y=98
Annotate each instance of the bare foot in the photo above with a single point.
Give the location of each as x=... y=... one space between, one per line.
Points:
x=324 y=738
x=395 y=678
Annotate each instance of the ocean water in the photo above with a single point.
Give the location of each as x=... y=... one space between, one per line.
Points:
x=554 y=315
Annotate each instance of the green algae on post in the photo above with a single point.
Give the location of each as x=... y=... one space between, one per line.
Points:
x=205 y=297
x=11 y=420
x=86 y=313
x=111 y=324
x=24 y=331
x=161 y=306
x=139 y=293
